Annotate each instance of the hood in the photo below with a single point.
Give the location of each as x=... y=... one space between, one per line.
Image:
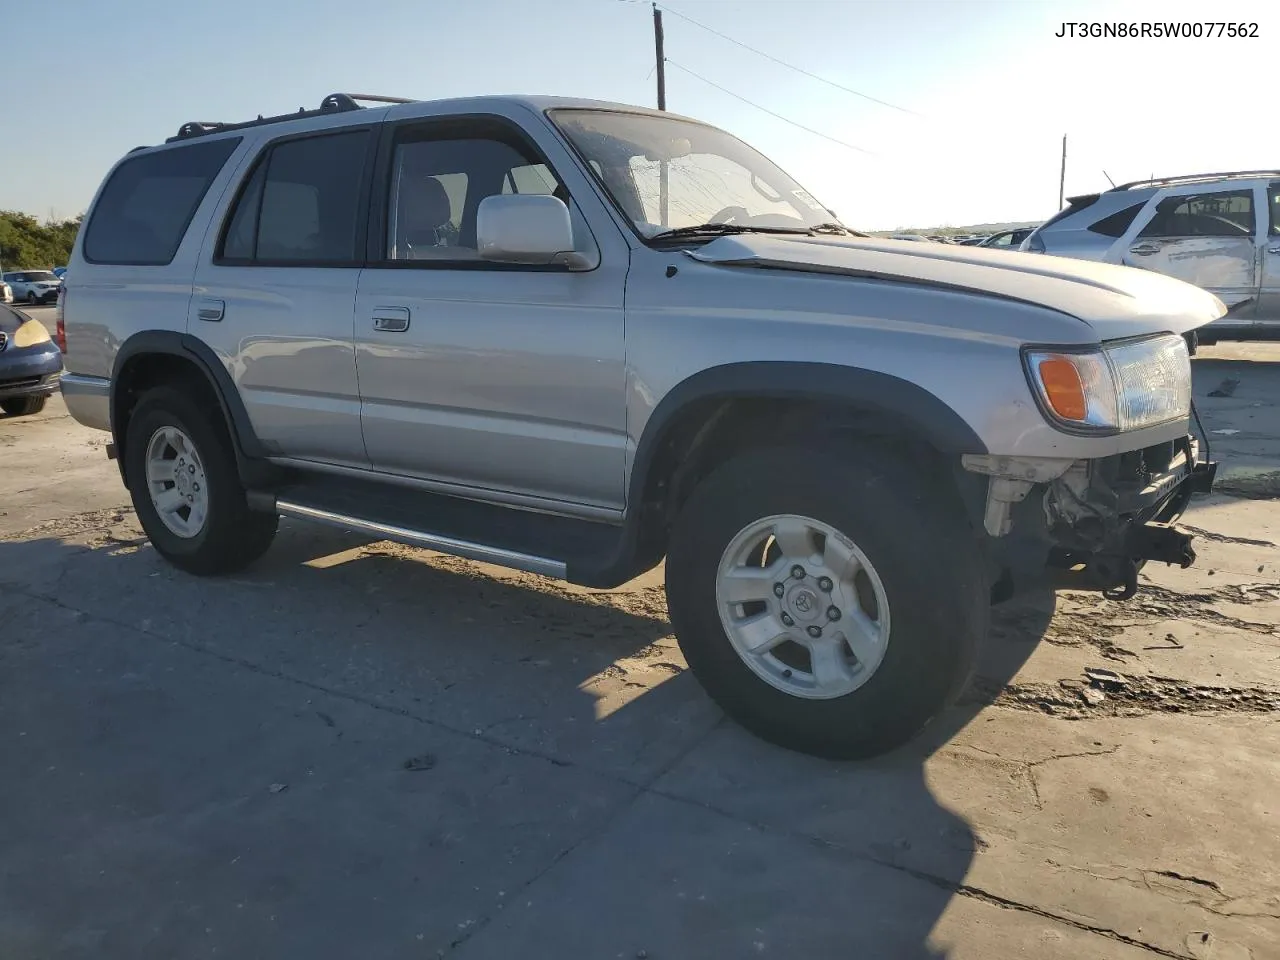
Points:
x=1116 y=301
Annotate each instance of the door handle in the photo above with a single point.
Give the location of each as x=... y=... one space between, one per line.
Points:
x=391 y=319
x=211 y=310
x=1144 y=249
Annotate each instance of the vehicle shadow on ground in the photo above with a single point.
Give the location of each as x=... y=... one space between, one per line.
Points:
x=584 y=678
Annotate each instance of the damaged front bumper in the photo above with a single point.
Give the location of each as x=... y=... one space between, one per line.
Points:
x=1090 y=524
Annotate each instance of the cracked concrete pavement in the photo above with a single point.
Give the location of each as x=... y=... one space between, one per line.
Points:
x=358 y=748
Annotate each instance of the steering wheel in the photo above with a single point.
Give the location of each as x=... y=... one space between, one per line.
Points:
x=729 y=215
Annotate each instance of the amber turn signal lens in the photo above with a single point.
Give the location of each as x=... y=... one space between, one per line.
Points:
x=1062 y=388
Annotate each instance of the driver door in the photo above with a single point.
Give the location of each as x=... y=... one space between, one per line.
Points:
x=1203 y=235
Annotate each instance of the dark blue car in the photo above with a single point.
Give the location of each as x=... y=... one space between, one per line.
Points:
x=30 y=364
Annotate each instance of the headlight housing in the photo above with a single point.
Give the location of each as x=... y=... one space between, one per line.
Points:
x=1117 y=387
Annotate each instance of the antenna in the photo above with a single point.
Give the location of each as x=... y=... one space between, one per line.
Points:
x=1109 y=180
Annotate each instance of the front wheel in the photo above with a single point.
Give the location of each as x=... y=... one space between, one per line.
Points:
x=185 y=487
x=832 y=612
x=23 y=406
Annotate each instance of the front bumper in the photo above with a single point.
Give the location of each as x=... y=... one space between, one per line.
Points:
x=1095 y=525
x=30 y=372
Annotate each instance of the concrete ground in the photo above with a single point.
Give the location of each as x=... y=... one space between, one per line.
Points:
x=359 y=749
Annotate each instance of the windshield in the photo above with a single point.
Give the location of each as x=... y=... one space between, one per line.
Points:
x=40 y=275
x=669 y=174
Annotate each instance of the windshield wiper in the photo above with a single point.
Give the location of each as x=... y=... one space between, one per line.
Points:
x=721 y=230
x=839 y=229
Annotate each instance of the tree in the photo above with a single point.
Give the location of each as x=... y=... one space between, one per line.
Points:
x=26 y=244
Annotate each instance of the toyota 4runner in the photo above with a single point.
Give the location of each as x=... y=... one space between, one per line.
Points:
x=575 y=338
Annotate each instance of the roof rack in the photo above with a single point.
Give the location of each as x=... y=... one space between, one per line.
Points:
x=334 y=103
x=1196 y=178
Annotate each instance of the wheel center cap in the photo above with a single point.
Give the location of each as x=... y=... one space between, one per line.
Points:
x=182 y=482
x=803 y=603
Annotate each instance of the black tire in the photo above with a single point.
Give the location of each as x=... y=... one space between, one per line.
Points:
x=32 y=298
x=233 y=536
x=927 y=556
x=23 y=406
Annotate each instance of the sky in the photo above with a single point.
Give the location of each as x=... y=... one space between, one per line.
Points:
x=990 y=87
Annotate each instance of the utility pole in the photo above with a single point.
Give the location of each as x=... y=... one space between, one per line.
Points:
x=661 y=59
x=1062 y=177
x=663 y=201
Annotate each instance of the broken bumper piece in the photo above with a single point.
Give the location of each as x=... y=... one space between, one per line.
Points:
x=1092 y=525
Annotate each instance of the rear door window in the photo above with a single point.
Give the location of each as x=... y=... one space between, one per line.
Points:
x=301 y=205
x=147 y=204
x=1224 y=213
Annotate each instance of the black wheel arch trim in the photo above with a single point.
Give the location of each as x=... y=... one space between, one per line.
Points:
x=870 y=390
x=184 y=346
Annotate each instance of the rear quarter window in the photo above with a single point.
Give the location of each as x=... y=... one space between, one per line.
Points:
x=147 y=204
x=1116 y=224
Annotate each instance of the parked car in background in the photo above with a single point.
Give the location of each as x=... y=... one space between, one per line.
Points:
x=6 y=292
x=30 y=364
x=59 y=272
x=970 y=241
x=909 y=236
x=923 y=429
x=33 y=286
x=1220 y=231
x=1008 y=240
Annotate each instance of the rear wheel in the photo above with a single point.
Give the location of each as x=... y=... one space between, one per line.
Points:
x=833 y=612
x=23 y=406
x=186 y=489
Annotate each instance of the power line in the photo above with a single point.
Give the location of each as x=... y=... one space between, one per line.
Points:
x=790 y=66
x=737 y=96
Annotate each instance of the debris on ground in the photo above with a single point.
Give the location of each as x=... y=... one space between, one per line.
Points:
x=278 y=787
x=424 y=762
x=1226 y=388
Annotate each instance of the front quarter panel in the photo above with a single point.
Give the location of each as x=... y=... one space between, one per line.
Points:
x=961 y=348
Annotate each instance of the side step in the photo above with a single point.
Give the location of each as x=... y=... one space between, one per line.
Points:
x=564 y=548
x=425 y=538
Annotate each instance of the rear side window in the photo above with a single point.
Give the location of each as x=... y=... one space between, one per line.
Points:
x=301 y=205
x=1116 y=224
x=1223 y=213
x=149 y=201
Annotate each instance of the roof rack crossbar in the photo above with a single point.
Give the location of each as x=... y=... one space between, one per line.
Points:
x=1194 y=177
x=334 y=103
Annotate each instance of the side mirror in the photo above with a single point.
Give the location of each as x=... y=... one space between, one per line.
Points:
x=527 y=228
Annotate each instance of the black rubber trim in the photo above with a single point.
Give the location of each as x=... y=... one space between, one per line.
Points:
x=900 y=402
x=896 y=399
x=187 y=347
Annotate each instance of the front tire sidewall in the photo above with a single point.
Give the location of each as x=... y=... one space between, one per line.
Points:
x=927 y=561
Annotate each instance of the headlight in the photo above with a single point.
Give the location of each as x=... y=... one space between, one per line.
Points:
x=29 y=334
x=1122 y=386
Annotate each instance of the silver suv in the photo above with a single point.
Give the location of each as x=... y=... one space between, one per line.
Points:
x=1220 y=231
x=575 y=338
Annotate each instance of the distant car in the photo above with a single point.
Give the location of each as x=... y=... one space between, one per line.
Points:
x=971 y=241
x=1219 y=231
x=30 y=364
x=6 y=293
x=33 y=286
x=59 y=272
x=1008 y=240
x=909 y=236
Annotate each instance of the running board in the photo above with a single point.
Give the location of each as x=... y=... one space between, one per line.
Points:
x=423 y=538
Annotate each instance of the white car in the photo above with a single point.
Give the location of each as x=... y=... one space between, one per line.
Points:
x=33 y=286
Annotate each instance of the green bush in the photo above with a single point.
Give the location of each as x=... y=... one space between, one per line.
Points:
x=27 y=244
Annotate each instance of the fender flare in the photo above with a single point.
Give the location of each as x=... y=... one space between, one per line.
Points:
x=182 y=345
x=898 y=400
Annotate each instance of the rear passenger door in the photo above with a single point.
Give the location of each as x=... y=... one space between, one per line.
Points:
x=275 y=293
x=1208 y=236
